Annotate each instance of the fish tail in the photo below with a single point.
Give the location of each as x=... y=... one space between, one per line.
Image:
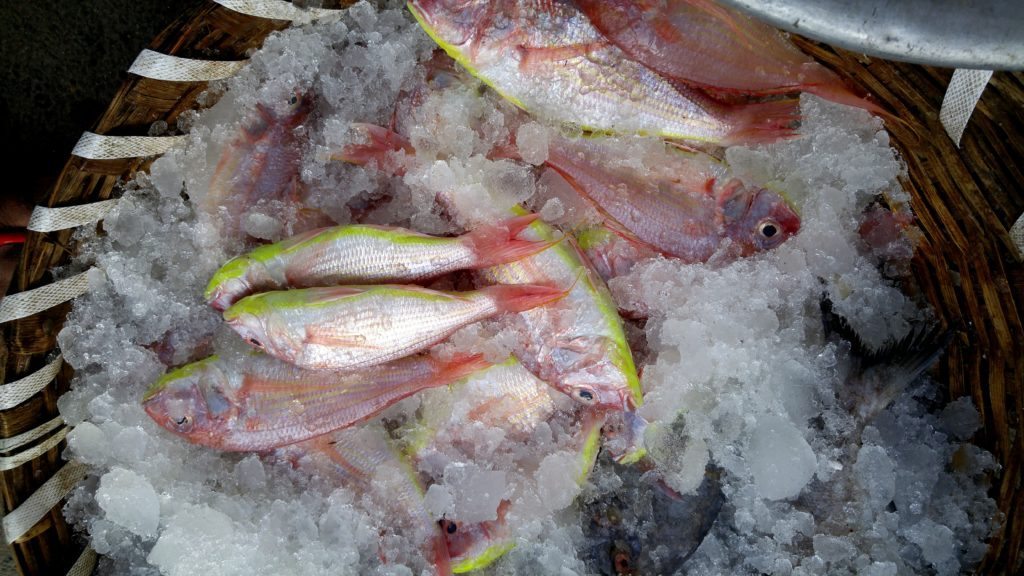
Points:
x=887 y=372
x=521 y=297
x=439 y=550
x=380 y=142
x=459 y=366
x=762 y=122
x=497 y=244
x=882 y=374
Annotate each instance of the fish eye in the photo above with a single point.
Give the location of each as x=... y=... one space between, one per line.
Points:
x=293 y=99
x=448 y=526
x=623 y=565
x=182 y=421
x=585 y=395
x=768 y=228
x=254 y=342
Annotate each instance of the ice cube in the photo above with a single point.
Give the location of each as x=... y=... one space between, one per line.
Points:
x=781 y=461
x=129 y=501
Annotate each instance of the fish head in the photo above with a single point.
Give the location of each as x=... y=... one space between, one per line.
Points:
x=756 y=219
x=623 y=436
x=234 y=280
x=452 y=23
x=472 y=546
x=298 y=107
x=255 y=320
x=191 y=401
x=600 y=397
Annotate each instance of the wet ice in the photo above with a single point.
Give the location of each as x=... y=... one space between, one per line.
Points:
x=736 y=348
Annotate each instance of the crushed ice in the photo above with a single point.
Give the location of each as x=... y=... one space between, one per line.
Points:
x=735 y=351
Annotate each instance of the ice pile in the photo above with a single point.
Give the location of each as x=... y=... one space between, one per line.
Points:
x=737 y=369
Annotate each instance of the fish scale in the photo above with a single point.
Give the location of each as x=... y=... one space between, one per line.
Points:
x=351 y=327
x=363 y=254
x=261 y=403
x=578 y=341
x=548 y=59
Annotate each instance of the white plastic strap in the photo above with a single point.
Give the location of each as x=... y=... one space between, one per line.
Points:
x=11 y=462
x=25 y=516
x=1017 y=235
x=14 y=393
x=8 y=444
x=45 y=219
x=85 y=564
x=150 y=64
x=278 y=10
x=961 y=97
x=33 y=301
x=98 y=147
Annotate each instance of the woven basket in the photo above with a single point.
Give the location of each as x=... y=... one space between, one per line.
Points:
x=966 y=267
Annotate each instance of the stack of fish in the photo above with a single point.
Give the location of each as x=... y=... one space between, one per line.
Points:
x=342 y=327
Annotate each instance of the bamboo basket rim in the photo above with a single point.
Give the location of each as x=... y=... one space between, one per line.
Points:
x=967 y=266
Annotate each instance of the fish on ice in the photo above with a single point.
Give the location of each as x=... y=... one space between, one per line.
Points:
x=549 y=60
x=352 y=327
x=365 y=254
x=260 y=403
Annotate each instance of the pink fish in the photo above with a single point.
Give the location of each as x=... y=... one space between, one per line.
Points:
x=364 y=254
x=678 y=205
x=363 y=460
x=700 y=43
x=548 y=59
x=261 y=403
x=351 y=327
x=261 y=164
x=681 y=206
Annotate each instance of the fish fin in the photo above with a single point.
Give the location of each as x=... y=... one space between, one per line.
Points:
x=536 y=57
x=460 y=366
x=497 y=244
x=835 y=324
x=763 y=122
x=327 y=337
x=521 y=297
x=891 y=369
x=331 y=451
x=884 y=373
x=380 y=143
x=327 y=293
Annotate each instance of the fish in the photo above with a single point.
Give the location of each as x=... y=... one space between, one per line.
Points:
x=261 y=164
x=637 y=525
x=353 y=327
x=610 y=252
x=877 y=376
x=505 y=396
x=549 y=60
x=260 y=403
x=366 y=461
x=683 y=205
x=577 y=344
x=364 y=254
x=709 y=46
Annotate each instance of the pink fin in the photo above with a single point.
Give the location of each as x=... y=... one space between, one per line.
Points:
x=460 y=366
x=497 y=244
x=380 y=143
x=533 y=58
x=763 y=122
x=521 y=297
x=326 y=337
